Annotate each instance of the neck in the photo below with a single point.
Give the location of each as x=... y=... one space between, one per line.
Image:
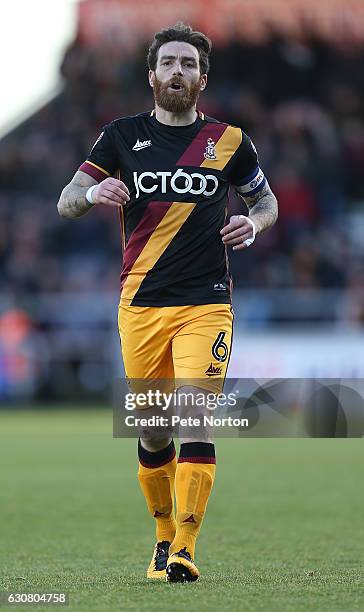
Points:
x=176 y=119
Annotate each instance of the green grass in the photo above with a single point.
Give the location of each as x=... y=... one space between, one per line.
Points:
x=284 y=529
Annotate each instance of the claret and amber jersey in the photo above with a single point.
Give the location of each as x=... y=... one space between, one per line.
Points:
x=178 y=178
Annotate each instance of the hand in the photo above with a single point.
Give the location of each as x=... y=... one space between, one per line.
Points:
x=237 y=231
x=111 y=192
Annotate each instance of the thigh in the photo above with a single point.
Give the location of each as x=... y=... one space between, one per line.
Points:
x=145 y=344
x=201 y=347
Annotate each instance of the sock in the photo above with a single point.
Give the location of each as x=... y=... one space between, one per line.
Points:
x=156 y=476
x=195 y=475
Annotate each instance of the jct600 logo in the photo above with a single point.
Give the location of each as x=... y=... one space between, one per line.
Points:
x=179 y=182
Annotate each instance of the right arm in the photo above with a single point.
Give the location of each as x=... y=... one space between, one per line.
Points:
x=72 y=202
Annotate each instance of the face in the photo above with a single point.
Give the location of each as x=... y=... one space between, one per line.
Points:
x=176 y=81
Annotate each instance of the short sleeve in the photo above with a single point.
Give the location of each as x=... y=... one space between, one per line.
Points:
x=246 y=173
x=102 y=160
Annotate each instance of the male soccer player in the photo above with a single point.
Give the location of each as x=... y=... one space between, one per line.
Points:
x=175 y=316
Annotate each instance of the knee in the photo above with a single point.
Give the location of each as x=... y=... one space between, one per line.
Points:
x=193 y=404
x=154 y=444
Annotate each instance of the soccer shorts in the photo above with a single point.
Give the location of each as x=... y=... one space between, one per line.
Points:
x=180 y=343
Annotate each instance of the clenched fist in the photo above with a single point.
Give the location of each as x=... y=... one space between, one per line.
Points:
x=111 y=192
x=239 y=232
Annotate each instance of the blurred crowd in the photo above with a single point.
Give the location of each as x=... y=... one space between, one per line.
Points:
x=301 y=101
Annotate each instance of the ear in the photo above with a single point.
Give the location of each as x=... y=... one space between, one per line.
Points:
x=203 y=82
x=151 y=77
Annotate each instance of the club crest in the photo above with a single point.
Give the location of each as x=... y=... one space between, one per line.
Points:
x=210 y=152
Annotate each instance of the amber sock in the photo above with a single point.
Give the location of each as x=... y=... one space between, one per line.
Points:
x=194 y=479
x=156 y=476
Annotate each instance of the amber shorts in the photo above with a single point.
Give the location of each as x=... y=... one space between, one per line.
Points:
x=189 y=343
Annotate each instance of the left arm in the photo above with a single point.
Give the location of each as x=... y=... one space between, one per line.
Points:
x=263 y=212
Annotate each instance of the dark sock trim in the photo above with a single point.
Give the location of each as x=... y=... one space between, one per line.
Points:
x=197 y=460
x=197 y=452
x=158 y=458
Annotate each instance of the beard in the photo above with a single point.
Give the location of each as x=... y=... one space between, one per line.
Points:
x=178 y=102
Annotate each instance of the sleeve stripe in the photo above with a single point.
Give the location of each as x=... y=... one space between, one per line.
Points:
x=93 y=170
x=98 y=167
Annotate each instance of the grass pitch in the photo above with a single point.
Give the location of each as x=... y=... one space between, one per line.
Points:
x=284 y=529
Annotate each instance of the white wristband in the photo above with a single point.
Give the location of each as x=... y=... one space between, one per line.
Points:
x=249 y=241
x=89 y=197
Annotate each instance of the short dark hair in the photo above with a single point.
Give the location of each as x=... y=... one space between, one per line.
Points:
x=181 y=33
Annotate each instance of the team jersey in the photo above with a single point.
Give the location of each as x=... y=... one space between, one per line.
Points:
x=178 y=179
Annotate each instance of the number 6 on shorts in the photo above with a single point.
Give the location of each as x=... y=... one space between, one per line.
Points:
x=219 y=348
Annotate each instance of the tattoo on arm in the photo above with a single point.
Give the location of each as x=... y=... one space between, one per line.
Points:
x=263 y=208
x=72 y=202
